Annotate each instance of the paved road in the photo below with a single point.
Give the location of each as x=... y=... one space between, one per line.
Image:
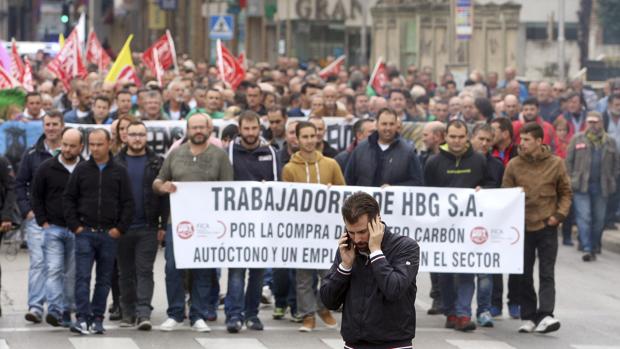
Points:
x=588 y=300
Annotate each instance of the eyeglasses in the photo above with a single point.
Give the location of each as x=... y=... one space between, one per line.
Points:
x=136 y=135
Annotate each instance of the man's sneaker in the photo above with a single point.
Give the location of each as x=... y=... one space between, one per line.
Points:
x=127 y=322
x=464 y=323
x=309 y=324
x=115 y=313
x=144 y=324
x=234 y=325
x=80 y=327
x=66 y=319
x=485 y=319
x=34 y=316
x=450 y=321
x=495 y=312
x=514 y=310
x=254 y=324
x=548 y=324
x=97 y=326
x=328 y=319
x=265 y=297
x=435 y=308
x=170 y=325
x=53 y=320
x=201 y=326
x=528 y=326
x=278 y=313
x=296 y=318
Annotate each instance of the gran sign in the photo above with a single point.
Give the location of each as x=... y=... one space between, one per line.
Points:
x=349 y=11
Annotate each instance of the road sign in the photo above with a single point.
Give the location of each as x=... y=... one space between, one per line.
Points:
x=221 y=27
x=168 y=5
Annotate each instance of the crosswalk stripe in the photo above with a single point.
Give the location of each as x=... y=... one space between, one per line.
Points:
x=595 y=346
x=476 y=344
x=227 y=343
x=103 y=343
x=333 y=343
x=4 y=344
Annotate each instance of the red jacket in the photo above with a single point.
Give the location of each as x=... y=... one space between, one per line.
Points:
x=549 y=138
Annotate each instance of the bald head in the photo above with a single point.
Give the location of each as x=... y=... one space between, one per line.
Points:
x=544 y=92
x=71 y=145
x=433 y=135
x=511 y=106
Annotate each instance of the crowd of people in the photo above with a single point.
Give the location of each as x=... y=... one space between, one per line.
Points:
x=559 y=141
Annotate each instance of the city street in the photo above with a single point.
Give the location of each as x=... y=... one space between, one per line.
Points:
x=588 y=305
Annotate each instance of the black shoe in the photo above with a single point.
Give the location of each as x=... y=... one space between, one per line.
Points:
x=144 y=324
x=115 y=313
x=53 y=320
x=435 y=308
x=234 y=326
x=34 y=317
x=587 y=257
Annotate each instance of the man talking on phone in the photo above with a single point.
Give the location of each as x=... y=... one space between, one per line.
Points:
x=374 y=277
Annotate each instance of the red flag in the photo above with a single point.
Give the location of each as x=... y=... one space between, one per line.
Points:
x=165 y=52
x=6 y=79
x=241 y=60
x=95 y=53
x=17 y=65
x=27 y=80
x=379 y=77
x=68 y=62
x=333 y=68
x=230 y=70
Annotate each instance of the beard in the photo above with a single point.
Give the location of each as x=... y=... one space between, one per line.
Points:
x=136 y=149
x=68 y=157
x=250 y=140
x=197 y=140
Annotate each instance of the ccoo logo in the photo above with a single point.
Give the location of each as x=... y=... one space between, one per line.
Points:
x=479 y=235
x=185 y=230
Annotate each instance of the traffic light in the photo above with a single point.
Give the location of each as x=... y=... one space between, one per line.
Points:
x=64 y=18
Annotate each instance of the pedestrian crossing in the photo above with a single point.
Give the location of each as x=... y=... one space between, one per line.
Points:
x=105 y=342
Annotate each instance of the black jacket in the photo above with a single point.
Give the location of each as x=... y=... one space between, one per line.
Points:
x=156 y=207
x=328 y=150
x=260 y=164
x=495 y=170
x=448 y=171
x=33 y=157
x=98 y=199
x=378 y=294
x=7 y=191
x=372 y=167
x=48 y=186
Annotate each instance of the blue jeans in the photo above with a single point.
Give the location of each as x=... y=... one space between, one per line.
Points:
x=484 y=293
x=201 y=287
x=37 y=273
x=90 y=247
x=457 y=291
x=60 y=258
x=234 y=306
x=590 y=209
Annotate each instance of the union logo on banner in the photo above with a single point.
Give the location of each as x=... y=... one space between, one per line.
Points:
x=185 y=230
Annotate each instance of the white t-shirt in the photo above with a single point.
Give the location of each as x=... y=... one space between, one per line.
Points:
x=175 y=115
x=384 y=147
x=69 y=167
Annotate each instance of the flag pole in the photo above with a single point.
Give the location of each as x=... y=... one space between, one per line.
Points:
x=374 y=71
x=174 y=51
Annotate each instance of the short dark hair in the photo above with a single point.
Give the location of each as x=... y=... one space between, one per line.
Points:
x=308 y=85
x=100 y=130
x=573 y=95
x=301 y=125
x=386 y=110
x=485 y=107
x=136 y=123
x=531 y=101
x=357 y=126
x=248 y=115
x=31 y=94
x=397 y=90
x=102 y=98
x=534 y=129
x=123 y=92
x=359 y=204
x=612 y=97
x=457 y=123
x=278 y=108
x=504 y=124
x=55 y=113
x=482 y=127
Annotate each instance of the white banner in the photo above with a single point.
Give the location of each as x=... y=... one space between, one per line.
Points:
x=294 y=225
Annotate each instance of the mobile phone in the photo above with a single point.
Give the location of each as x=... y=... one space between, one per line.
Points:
x=349 y=242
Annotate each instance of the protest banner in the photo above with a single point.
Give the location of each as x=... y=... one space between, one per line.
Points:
x=295 y=225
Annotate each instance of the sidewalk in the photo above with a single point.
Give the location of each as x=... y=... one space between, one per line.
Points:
x=611 y=240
